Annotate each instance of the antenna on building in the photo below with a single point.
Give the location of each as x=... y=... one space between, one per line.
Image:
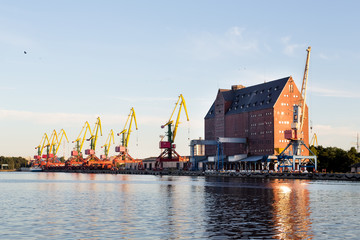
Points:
x=357 y=143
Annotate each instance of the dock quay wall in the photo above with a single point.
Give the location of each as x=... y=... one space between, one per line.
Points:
x=274 y=175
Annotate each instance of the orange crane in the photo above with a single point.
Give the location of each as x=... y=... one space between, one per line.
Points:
x=295 y=136
x=124 y=156
x=169 y=154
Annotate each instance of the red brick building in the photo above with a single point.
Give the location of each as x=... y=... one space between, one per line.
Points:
x=259 y=113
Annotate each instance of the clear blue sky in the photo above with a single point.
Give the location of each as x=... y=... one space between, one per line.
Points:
x=100 y=58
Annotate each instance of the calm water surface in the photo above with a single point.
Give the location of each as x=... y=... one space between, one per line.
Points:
x=96 y=206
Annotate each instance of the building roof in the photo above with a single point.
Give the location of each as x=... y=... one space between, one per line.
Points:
x=253 y=98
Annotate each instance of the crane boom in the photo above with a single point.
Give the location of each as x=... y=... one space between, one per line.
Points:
x=61 y=134
x=52 y=143
x=304 y=88
x=108 y=142
x=181 y=102
x=127 y=130
x=42 y=144
x=81 y=138
x=95 y=133
x=169 y=154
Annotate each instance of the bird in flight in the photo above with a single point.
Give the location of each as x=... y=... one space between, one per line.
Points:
x=25 y=52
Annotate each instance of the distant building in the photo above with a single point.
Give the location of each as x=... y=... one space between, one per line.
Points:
x=259 y=113
x=199 y=150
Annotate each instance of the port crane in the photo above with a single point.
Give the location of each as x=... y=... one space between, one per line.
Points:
x=81 y=139
x=314 y=141
x=44 y=142
x=76 y=160
x=169 y=154
x=92 y=161
x=124 y=156
x=52 y=148
x=295 y=135
x=94 y=136
x=49 y=146
x=107 y=144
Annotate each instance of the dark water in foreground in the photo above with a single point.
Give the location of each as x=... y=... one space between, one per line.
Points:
x=90 y=206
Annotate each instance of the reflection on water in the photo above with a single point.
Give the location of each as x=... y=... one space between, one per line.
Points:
x=291 y=209
x=96 y=206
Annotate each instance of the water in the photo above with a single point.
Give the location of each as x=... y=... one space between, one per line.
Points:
x=96 y=206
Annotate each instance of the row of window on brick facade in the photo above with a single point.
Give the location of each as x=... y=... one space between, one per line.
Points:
x=295 y=96
x=260 y=133
x=262 y=150
x=259 y=124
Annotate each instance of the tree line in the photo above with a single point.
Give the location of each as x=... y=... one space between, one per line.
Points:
x=13 y=162
x=335 y=159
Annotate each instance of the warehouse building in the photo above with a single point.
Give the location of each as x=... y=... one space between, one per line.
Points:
x=260 y=114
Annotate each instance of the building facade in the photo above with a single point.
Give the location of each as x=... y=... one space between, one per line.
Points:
x=259 y=113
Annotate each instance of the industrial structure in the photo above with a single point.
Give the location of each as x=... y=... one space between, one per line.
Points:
x=169 y=154
x=292 y=156
x=261 y=114
x=260 y=127
x=124 y=157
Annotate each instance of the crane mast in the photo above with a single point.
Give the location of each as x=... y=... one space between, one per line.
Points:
x=44 y=142
x=125 y=133
x=81 y=139
x=94 y=136
x=169 y=154
x=295 y=135
x=107 y=144
x=61 y=134
x=122 y=149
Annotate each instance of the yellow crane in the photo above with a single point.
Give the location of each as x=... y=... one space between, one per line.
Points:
x=50 y=147
x=59 y=138
x=80 y=139
x=94 y=137
x=295 y=134
x=125 y=133
x=44 y=142
x=124 y=156
x=169 y=153
x=107 y=144
x=172 y=134
x=314 y=140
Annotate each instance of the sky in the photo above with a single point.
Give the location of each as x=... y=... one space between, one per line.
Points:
x=86 y=59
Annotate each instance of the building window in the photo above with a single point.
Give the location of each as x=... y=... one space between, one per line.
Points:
x=291 y=88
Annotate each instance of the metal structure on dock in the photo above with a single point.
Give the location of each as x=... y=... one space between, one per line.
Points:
x=124 y=157
x=219 y=150
x=169 y=153
x=291 y=157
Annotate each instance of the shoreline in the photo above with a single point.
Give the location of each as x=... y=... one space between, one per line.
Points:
x=274 y=175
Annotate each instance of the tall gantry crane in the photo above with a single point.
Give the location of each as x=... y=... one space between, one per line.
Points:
x=93 y=138
x=76 y=160
x=52 y=149
x=124 y=157
x=81 y=139
x=295 y=135
x=107 y=144
x=59 y=138
x=169 y=154
x=44 y=142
